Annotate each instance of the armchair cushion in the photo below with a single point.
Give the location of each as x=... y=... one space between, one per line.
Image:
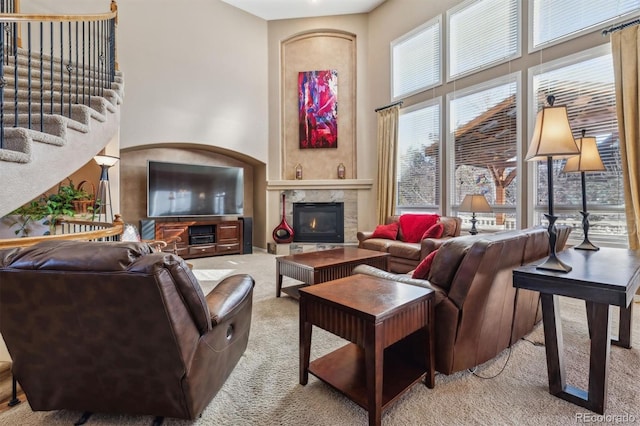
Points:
x=413 y=226
x=435 y=231
x=387 y=232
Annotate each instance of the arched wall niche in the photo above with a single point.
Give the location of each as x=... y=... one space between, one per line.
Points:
x=313 y=51
x=133 y=178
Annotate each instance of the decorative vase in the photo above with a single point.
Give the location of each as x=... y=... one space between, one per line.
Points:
x=298 y=171
x=341 y=171
x=283 y=233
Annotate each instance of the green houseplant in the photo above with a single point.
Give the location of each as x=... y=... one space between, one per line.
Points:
x=52 y=207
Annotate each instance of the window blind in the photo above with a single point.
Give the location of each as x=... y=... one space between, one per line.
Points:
x=482 y=33
x=419 y=157
x=553 y=20
x=415 y=60
x=483 y=137
x=585 y=84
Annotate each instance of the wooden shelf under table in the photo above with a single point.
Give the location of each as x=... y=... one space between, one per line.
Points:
x=344 y=370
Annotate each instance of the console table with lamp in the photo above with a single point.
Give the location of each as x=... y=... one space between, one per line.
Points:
x=602 y=278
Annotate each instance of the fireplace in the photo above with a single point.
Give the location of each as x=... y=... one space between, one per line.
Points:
x=318 y=222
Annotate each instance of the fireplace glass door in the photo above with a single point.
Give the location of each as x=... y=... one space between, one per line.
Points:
x=318 y=222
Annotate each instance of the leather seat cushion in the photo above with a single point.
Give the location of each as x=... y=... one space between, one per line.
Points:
x=405 y=250
x=378 y=244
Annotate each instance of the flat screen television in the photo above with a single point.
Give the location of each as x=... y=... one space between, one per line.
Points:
x=175 y=189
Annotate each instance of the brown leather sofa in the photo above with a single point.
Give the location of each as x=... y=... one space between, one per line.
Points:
x=117 y=328
x=478 y=312
x=404 y=256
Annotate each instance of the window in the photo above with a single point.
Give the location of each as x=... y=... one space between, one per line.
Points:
x=585 y=84
x=553 y=21
x=482 y=33
x=415 y=60
x=419 y=157
x=483 y=147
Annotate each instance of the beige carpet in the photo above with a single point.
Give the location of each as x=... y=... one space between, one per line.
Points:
x=264 y=388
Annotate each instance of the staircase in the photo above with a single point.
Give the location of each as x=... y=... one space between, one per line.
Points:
x=58 y=109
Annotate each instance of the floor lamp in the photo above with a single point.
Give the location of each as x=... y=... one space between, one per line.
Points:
x=588 y=161
x=552 y=138
x=103 y=196
x=474 y=203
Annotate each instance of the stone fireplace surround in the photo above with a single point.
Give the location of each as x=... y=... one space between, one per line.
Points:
x=330 y=190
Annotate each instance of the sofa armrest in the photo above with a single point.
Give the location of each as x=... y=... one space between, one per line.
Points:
x=402 y=278
x=228 y=295
x=364 y=235
x=431 y=244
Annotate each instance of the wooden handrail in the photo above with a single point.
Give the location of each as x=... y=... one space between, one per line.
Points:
x=24 y=17
x=109 y=230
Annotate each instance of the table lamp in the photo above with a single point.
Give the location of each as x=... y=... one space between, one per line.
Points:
x=552 y=138
x=588 y=161
x=474 y=203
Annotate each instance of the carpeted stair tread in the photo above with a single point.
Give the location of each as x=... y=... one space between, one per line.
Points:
x=23 y=74
x=79 y=112
x=23 y=61
x=17 y=145
x=110 y=96
x=53 y=123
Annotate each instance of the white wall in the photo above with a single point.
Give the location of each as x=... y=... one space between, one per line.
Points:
x=195 y=72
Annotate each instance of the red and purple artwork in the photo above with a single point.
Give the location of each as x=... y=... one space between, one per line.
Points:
x=318 y=109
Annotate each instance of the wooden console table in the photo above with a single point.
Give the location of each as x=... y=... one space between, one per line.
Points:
x=376 y=316
x=601 y=278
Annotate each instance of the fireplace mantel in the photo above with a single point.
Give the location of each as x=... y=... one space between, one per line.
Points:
x=279 y=185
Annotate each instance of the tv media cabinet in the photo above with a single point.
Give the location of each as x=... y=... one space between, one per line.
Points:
x=201 y=237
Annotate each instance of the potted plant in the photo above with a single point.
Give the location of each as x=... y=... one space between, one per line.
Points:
x=83 y=204
x=52 y=207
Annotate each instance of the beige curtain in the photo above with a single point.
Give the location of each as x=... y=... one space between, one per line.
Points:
x=387 y=142
x=626 y=54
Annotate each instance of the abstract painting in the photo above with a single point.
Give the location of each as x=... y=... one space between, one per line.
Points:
x=318 y=109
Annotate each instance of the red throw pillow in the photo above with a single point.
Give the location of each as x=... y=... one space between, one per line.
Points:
x=414 y=225
x=435 y=231
x=422 y=270
x=388 y=232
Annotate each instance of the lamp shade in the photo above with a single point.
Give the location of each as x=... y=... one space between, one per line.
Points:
x=552 y=136
x=105 y=160
x=589 y=158
x=476 y=203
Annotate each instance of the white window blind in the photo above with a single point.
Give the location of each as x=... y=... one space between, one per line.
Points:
x=415 y=60
x=554 y=20
x=419 y=157
x=483 y=141
x=482 y=33
x=585 y=84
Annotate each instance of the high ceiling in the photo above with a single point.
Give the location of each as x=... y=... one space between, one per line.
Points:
x=288 y=9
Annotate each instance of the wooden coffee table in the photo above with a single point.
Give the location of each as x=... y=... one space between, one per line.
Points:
x=325 y=265
x=376 y=316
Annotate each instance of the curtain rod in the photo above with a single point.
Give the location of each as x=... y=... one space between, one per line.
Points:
x=388 y=106
x=621 y=26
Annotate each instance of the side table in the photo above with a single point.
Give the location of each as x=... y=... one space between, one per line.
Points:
x=376 y=316
x=601 y=278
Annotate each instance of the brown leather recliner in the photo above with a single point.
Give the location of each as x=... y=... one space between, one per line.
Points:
x=117 y=328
